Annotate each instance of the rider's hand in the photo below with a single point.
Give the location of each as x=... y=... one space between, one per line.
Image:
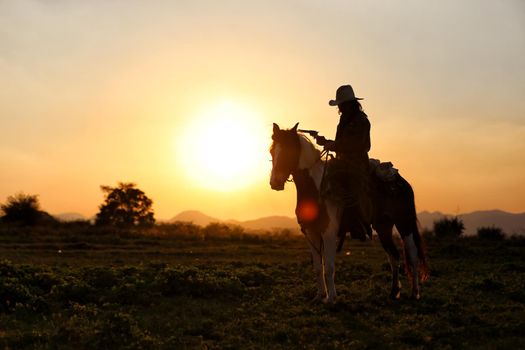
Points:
x=321 y=140
x=329 y=145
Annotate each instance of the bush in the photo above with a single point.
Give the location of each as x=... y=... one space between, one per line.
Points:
x=222 y=231
x=24 y=209
x=198 y=282
x=449 y=227
x=491 y=233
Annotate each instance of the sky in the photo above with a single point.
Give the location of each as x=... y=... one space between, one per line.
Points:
x=99 y=92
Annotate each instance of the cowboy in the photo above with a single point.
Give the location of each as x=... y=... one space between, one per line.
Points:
x=349 y=175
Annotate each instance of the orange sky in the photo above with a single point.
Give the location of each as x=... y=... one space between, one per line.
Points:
x=92 y=93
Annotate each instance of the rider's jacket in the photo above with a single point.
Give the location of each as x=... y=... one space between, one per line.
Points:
x=352 y=140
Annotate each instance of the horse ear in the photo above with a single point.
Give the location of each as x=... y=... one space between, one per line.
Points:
x=276 y=128
x=295 y=127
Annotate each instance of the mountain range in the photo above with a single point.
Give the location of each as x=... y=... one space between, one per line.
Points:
x=266 y=223
x=510 y=223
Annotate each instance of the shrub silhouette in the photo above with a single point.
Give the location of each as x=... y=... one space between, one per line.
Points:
x=490 y=233
x=125 y=206
x=24 y=209
x=448 y=227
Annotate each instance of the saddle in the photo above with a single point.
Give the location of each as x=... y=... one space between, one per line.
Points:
x=382 y=176
x=385 y=177
x=383 y=171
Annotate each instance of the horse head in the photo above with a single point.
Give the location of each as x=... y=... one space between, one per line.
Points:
x=285 y=151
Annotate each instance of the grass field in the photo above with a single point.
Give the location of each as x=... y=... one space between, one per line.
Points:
x=110 y=290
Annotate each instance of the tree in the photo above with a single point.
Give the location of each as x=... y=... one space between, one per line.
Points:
x=125 y=206
x=449 y=227
x=23 y=209
x=490 y=233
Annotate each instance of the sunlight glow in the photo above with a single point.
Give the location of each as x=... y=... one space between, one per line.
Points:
x=224 y=148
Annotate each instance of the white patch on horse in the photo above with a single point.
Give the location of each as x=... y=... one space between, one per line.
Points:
x=309 y=158
x=308 y=155
x=411 y=249
x=277 y=152
x=315 y=243
x=275 y=159
x=330 y=247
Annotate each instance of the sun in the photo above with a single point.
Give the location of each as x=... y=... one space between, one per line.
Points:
x=224 y=148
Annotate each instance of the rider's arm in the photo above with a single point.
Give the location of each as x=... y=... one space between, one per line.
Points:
x=356 y=137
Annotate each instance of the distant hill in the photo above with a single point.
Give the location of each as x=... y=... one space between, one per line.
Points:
x=509 y=222
x=70 y=217
x=426 y=219
x=265 y=223
x=195 y=217
x=270 y=222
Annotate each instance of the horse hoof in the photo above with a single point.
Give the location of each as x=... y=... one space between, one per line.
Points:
x=415 y=296
x=395 y=295
x=317 y=298
x=328 y=301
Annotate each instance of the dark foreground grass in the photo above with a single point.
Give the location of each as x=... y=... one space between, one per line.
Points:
x=141 y=292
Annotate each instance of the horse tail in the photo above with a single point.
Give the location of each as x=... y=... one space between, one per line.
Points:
x=424 y=271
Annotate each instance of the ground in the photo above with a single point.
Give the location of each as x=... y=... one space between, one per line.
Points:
x=110 y=291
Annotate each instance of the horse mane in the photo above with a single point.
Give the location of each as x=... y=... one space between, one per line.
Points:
x=309 y=141
x=309 y=152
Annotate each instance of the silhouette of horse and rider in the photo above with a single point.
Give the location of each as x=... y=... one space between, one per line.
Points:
x=347 y=193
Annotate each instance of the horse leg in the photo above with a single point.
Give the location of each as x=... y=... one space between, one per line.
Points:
x=330 y=245
x=410 y=248
x=329 y=250
x=314 y=242
x=411 y=257
x=384 y=231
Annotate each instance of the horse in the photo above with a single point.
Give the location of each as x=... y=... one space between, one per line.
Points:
x=293 y=154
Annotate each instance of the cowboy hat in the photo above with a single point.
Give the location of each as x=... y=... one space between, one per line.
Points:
x=344 y=93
